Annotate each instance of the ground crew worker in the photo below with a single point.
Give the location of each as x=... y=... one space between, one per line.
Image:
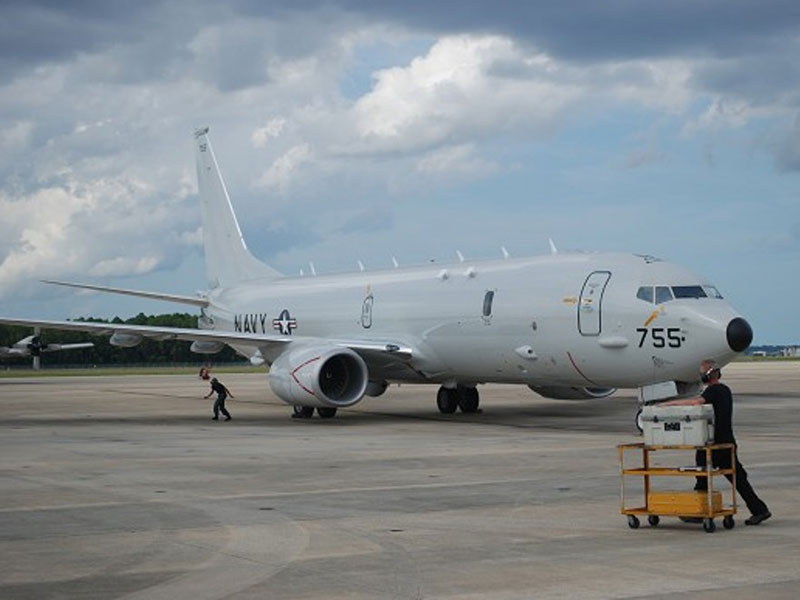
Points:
x=719 y=396
x=219 y=404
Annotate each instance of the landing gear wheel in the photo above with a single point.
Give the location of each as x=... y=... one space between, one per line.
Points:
x=447 y=400
x=469 y=400
x=638 y=421
x=326 y=412
x=709 y=525
x=728 y=522
x=302 y=412
x=633 y=522
x=654 y=520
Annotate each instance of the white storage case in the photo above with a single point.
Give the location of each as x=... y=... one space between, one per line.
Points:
x=678 y=425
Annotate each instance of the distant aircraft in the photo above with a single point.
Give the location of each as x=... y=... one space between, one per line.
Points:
x=32 y=346
x=568 y=325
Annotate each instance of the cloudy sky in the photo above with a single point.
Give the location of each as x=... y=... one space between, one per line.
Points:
x=355 y=130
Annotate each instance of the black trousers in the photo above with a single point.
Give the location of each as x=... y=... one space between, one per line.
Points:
x=721 y=459
x=219 y=406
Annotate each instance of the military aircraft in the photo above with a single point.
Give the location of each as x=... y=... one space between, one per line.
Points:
x=32 y=346
x=568 y=325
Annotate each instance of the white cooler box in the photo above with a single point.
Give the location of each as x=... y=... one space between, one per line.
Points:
x=678 y=425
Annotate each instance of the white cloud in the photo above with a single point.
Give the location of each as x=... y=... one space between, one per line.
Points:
x=272 y=129
x=462 y=160
x=122 y=265
x=279 y=175
x=16 y=136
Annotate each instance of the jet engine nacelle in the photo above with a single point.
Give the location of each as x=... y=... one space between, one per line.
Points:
x=200 y=347
x=125 y=340
x=568 y=392
x=331 y=376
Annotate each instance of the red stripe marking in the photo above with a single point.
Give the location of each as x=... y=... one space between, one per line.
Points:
x=578 y=370
x=310 y=360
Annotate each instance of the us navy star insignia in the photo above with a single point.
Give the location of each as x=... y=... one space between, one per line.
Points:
x=284 y=323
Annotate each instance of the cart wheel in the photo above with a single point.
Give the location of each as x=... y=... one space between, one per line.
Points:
x=728 y=522
x=709 y=526
x=633 y=522
x=653 y=520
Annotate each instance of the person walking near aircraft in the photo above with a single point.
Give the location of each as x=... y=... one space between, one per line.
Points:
x=219 y=403
x=719 y=396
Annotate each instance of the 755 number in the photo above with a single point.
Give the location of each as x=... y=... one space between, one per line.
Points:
x=661 y=337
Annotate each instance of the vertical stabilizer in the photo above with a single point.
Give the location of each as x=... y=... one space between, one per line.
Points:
x=228 y=261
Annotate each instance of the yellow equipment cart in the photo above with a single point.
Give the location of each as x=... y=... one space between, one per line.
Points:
x=705 y=505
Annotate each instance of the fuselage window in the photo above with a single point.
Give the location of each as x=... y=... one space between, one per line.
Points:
x=712 y=292
x=663 y=294
x=688 y=291
x=487 y=303
x=645 y=293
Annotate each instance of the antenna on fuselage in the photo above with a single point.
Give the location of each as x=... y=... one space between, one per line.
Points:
x=460 y=256
x=505 y=252
x=360 y=266
x=313 y=270
x=553 y=249
x=395 y=263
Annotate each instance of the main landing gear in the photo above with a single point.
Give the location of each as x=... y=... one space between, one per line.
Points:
x=463 y=397
x=306 y=412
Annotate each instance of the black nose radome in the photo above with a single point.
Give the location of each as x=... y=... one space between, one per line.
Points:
x=740 y=334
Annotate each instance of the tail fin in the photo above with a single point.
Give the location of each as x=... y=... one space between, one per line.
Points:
x=228 y=261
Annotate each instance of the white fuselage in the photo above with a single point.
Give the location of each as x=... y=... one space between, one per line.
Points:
x=566 y=319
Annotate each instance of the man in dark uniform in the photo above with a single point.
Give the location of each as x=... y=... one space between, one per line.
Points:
x=719 y=396
x=219 y=404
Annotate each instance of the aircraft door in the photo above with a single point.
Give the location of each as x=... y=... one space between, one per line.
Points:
x=591 y=301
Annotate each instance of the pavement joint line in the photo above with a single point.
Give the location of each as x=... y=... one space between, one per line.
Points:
x=317 y=492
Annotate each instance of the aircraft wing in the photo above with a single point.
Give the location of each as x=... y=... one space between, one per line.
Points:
x=364 y=347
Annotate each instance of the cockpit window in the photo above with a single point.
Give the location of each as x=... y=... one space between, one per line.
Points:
x=688 y=291
x=663 y=294
x=645 y=293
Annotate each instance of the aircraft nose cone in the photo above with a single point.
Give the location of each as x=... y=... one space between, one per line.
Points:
x=740 y=334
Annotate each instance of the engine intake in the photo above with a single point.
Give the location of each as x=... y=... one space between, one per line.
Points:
x=330 y=376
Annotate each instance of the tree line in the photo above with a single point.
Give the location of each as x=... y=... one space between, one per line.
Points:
x=103 y=353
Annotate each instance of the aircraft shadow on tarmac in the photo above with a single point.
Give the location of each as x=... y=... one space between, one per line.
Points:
x=606 y=415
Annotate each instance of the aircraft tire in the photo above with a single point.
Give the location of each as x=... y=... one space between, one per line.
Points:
x=326 y=412
x=469 y=400
x=302 y=412
x=447 y=400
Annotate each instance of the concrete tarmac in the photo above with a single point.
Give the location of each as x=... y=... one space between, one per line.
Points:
x=123 y=487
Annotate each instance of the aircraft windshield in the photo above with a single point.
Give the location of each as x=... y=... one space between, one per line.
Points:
x=663 y=293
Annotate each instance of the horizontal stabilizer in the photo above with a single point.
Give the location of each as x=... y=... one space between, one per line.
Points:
x=191 y=300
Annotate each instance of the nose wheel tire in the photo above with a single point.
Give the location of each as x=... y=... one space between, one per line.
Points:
x=326 y=412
